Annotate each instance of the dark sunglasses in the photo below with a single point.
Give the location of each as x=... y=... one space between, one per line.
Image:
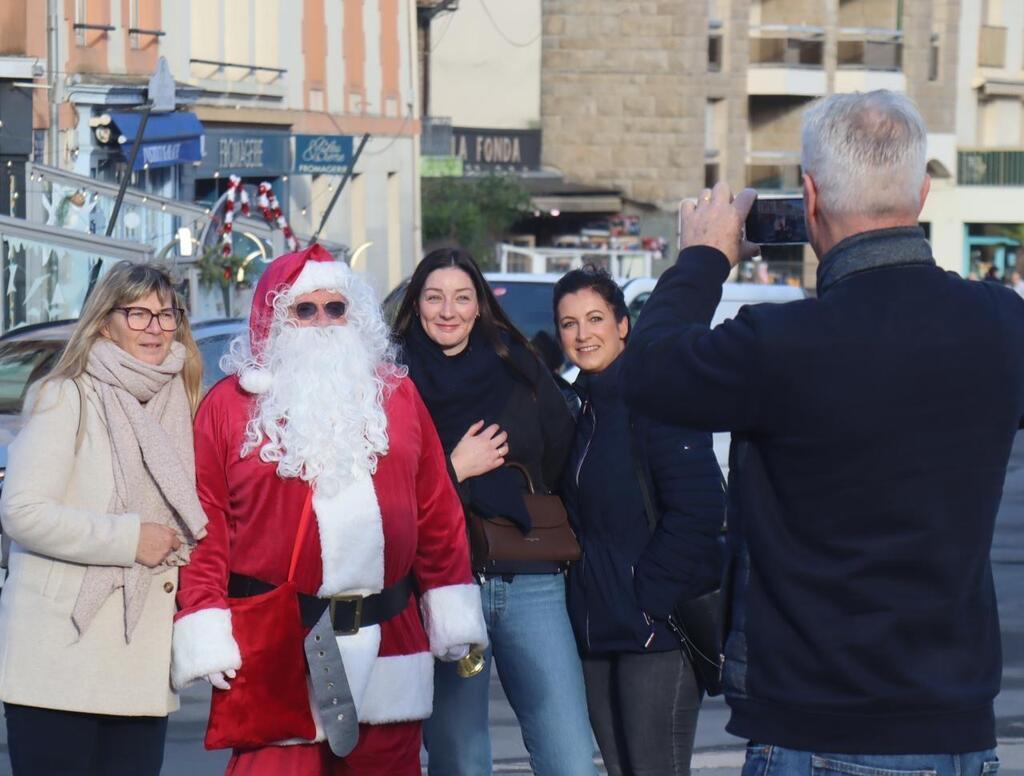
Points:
x=306 y=311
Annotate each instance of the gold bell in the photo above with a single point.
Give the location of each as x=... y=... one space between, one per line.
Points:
x=471 y=664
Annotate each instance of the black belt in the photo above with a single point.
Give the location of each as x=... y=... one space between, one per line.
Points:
x=513 y=568
x=348 y=612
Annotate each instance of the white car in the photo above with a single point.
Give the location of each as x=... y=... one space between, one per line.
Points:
x=734 y=296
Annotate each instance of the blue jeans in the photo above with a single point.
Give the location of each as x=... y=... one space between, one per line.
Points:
x=776 y=761
x=535 y=653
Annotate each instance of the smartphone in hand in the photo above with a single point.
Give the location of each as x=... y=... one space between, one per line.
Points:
x=777 y=221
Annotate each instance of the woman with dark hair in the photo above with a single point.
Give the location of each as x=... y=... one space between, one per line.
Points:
x=494 y=402
x=642 y=693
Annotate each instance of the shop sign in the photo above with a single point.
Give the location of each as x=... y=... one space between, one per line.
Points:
x=441 y=167
x=249 y=154
x=323 y=154
x=497 y=150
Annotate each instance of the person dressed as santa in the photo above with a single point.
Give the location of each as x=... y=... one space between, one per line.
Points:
x=316 y=405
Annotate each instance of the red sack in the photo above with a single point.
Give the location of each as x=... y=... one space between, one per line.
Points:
x=268 y=700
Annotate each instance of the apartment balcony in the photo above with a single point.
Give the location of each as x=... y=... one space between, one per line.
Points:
x=787 y=59
x=868 y=59
x=990 y=168
x=992 y=47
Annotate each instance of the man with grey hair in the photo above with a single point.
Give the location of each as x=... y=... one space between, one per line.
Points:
x=863 y=636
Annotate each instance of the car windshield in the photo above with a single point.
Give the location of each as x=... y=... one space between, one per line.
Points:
x=22 y=362
x=211 y=349
x=528 y=305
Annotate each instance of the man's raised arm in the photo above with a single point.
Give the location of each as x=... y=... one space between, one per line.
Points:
x=677 y=370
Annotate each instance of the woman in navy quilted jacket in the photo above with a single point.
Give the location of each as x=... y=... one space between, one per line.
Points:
x=642 y=694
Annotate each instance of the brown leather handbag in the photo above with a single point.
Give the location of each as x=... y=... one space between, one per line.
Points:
x=497 y=546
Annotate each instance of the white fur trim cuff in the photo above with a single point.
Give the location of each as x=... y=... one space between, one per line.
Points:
x=202 y=644
x=401 y=688
x=322 y=276
x=453 y=615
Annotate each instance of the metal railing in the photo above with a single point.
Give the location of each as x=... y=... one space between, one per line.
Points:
x=774 y=45
x=620 y=263
x=46 y=269
x=990 y=168
x=156 y=219
x=219 y=67
x=870 y=49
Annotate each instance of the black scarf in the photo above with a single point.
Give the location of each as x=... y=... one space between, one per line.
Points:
x=459 y=390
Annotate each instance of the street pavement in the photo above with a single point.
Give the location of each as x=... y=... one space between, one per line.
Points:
x=717 y=753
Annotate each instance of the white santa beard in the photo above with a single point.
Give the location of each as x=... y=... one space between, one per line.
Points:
x=322 y=418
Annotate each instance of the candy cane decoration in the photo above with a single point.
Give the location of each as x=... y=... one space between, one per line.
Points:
x=271 y=210
x=235 y=190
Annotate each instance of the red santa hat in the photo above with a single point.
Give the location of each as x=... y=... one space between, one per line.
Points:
x=311 y=269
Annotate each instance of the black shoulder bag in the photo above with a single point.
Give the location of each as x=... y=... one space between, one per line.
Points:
x=698 y=621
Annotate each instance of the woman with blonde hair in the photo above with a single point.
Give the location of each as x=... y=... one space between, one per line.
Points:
x=100 y=505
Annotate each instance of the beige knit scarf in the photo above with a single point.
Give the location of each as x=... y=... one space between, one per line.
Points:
x=150 y=427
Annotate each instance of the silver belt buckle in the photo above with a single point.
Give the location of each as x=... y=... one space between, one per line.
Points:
x=357 y=619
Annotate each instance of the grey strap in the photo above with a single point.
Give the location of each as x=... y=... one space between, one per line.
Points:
x=330 y=687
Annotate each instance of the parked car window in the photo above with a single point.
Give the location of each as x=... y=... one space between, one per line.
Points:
x=21 y=364
x=637 y=305
x=211 y=349
x=528 y=305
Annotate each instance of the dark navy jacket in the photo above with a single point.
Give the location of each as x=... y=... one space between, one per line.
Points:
x=682 y=560
x=872 y=429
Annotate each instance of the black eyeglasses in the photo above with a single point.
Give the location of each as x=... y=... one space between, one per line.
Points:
x=139 y=318
x=306 y=311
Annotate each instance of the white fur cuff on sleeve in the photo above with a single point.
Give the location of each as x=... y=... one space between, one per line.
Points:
x=202 y=644
x=453 y=615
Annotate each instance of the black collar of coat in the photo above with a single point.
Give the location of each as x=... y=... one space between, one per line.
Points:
x=876 y=249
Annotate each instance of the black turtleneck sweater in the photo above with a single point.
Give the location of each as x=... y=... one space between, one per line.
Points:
x=871 y=432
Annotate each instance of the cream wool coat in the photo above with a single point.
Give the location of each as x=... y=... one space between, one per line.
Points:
x=54 y=511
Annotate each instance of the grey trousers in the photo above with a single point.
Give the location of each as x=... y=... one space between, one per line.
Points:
x=643 y=709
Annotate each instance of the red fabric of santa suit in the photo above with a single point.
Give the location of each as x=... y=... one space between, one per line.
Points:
x=405 y=519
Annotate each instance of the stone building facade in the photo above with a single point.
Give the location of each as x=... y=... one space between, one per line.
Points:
x=662 y=98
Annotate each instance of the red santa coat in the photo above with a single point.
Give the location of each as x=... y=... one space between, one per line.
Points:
x=370 y=536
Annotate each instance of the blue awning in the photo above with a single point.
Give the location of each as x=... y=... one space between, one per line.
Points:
x=170 y=138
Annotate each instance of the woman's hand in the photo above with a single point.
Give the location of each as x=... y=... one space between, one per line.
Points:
x=481 y=450
x=156 y=542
